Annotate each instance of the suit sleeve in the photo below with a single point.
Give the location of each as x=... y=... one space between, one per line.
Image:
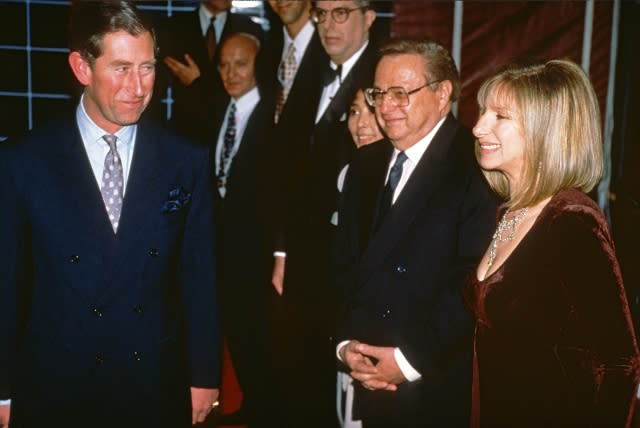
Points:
x=198 y=280
x=14 y=263
x=598 y=350
x=431 y=346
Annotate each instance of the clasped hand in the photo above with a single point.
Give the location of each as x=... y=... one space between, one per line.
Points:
x=375 y=367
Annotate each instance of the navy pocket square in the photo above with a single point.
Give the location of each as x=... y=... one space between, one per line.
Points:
x=178 y=198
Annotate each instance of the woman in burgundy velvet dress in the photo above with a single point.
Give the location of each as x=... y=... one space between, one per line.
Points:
x=554 y=342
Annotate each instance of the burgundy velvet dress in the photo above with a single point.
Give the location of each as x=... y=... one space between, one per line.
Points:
x=554 y=342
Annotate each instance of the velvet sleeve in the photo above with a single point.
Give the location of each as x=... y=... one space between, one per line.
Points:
x=598 y=350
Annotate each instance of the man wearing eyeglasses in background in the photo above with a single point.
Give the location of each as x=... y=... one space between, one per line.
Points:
x=309 y=167
x=403 y=330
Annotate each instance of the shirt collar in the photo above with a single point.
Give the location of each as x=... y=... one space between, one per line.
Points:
x=301 y=41
x=92 y=133
x=248 y=100
x=205 y=18
x=415 y=152
x=348 y=64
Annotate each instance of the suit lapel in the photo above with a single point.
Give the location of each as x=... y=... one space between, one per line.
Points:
x=145 y=170
x=424 y=181
x=73 y=164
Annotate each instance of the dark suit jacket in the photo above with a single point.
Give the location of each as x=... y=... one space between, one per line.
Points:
x=192 y=110
x=313 y=196
x=97 y=326
x=402 y=288
x=242 y=233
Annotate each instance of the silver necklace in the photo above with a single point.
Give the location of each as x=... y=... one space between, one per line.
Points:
x=504 y=224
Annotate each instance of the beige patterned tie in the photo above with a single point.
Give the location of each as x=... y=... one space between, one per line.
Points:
x=112 y=182
x=286 y=71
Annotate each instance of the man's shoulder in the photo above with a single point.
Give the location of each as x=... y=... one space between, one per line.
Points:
x=41 y=137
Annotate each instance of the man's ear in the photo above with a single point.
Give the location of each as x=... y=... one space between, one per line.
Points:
x=445 y=88
x=369 y=17
x=80 y=67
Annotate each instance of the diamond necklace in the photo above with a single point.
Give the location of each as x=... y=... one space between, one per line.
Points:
x=503 y=225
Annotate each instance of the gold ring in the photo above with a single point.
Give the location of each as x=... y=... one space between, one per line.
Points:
x=215 y=404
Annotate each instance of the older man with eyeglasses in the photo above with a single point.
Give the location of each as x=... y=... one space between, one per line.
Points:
x=404 y=333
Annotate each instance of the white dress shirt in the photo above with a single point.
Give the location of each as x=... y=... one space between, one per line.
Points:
x=244 y=107
x=414 y=154
x=330 y=90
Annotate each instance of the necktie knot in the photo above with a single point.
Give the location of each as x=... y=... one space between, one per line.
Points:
x=111 y=141
x=331 y=74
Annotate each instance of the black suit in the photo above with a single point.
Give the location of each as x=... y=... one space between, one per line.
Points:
x=311 y=171
x=243 y=262
x=402 y=288
x=193 y=107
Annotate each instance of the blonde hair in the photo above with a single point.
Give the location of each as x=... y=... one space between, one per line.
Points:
x=557 y=111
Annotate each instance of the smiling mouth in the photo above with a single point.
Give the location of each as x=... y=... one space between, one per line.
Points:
x=489 y=146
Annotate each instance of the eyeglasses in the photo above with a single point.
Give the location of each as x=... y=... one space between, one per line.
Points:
x=339 y=14
x=398 y=96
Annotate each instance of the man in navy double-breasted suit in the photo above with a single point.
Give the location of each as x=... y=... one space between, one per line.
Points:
x=107 y=309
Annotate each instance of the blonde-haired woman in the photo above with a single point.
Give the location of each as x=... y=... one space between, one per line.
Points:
x=554 y=342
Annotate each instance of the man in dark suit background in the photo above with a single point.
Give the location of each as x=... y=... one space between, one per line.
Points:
x=405 y=335
x=309 y=165
x=241 y=164
x=189 y=51
x=108 y=312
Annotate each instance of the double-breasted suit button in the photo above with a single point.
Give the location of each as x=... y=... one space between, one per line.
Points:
x=74 y=258
x=386 y=314
x=99 y=359
x=401 y=269
x=137 y=356
x=153 y=252
x=98 y=311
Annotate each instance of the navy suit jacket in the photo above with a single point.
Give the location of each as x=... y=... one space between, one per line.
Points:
x=96 y=325
x=401 y=287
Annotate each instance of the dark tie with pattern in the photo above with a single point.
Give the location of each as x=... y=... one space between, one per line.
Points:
x=386 y=201
x=227 y=147
x=286 y=70
x=112 y=182
x=211 y=38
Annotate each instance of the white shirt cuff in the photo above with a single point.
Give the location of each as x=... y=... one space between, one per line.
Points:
x=5 y=402
x=279 y=254
x=339 y=348
x=407 y=369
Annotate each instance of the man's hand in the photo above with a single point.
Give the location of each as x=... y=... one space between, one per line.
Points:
x=203 y=401
x=386 y=376
x=186 y=72
x=277 y=276
x=5 y=412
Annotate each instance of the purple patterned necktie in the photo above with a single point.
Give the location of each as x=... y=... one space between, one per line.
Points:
x=112 y=182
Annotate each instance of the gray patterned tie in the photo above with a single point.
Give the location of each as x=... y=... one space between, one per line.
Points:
x=112 y=182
